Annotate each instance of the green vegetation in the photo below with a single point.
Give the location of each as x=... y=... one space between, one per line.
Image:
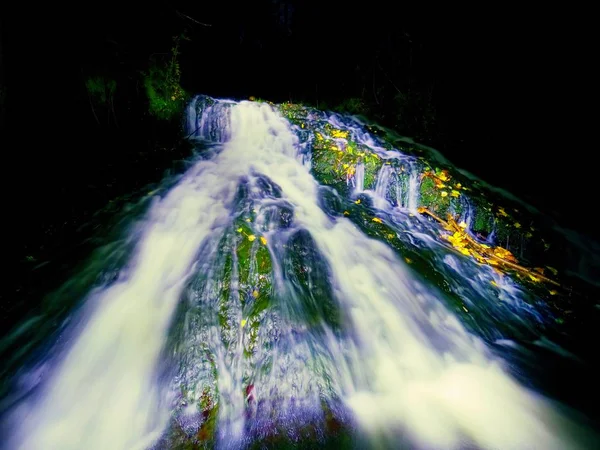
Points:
x=166 y=97
x=101 y=94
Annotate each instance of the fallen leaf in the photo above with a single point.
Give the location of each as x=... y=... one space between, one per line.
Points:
x=443 y=175
x=255 y=293
x=377 y=219
x=263 y=240
x=339 y=134
x=462 y=224
x=251 y=237
x=444 y=194
x=493 y=283
x=239 y=230
x=408 y=260
x=517 y=225
x=455 y=193
x=346 y=213
x=357 y=201
x=243 y=323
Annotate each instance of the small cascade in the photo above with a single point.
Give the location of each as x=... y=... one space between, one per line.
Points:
x=413 y=190
x=209 y=120
x=359 y=178
x=382 y=187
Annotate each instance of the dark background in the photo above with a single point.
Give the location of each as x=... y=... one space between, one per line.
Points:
x=514 y=90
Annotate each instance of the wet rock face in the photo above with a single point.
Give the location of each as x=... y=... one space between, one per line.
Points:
x=352 y=157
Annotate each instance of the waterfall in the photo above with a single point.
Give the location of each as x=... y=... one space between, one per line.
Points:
x=279 y=308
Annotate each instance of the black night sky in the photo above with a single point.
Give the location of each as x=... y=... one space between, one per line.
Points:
x=513 y=89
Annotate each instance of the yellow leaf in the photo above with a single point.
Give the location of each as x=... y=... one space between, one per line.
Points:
x=357 y=201
x=251 y=237
x=485 y=245
x=302 y=125
x=458 y=185
x=255 y=293
x=502 y=212
x=528 y=235
x=243 y=323
x=408 y=260
x=444 y=194
x=464 y=251
x=455 y=193
x=263 y=240
x=377 y=219
x=494 y=283
x=239 y=230
x=391 y=236
x=553 y=292
x=462 y=225
x=248 y=220
x=517 y=225
x=339 y=134
x=534 y=278
x=421 y=209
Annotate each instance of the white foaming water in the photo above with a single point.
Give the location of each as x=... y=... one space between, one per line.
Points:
x=413 y=190
x=438 y=382
x=359 y=176
x=409 y=363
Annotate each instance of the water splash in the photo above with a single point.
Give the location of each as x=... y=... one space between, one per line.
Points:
x=389 y=355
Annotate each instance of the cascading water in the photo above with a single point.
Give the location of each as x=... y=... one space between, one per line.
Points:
x=247 y=310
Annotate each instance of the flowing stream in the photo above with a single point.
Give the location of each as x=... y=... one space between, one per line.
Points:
x=247 y=310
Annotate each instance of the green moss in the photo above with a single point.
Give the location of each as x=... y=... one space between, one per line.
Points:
x=294 y=112
x=483 y=218
x=336 y=157
x=435 y=199
x=225 y=292
x=309 y=274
